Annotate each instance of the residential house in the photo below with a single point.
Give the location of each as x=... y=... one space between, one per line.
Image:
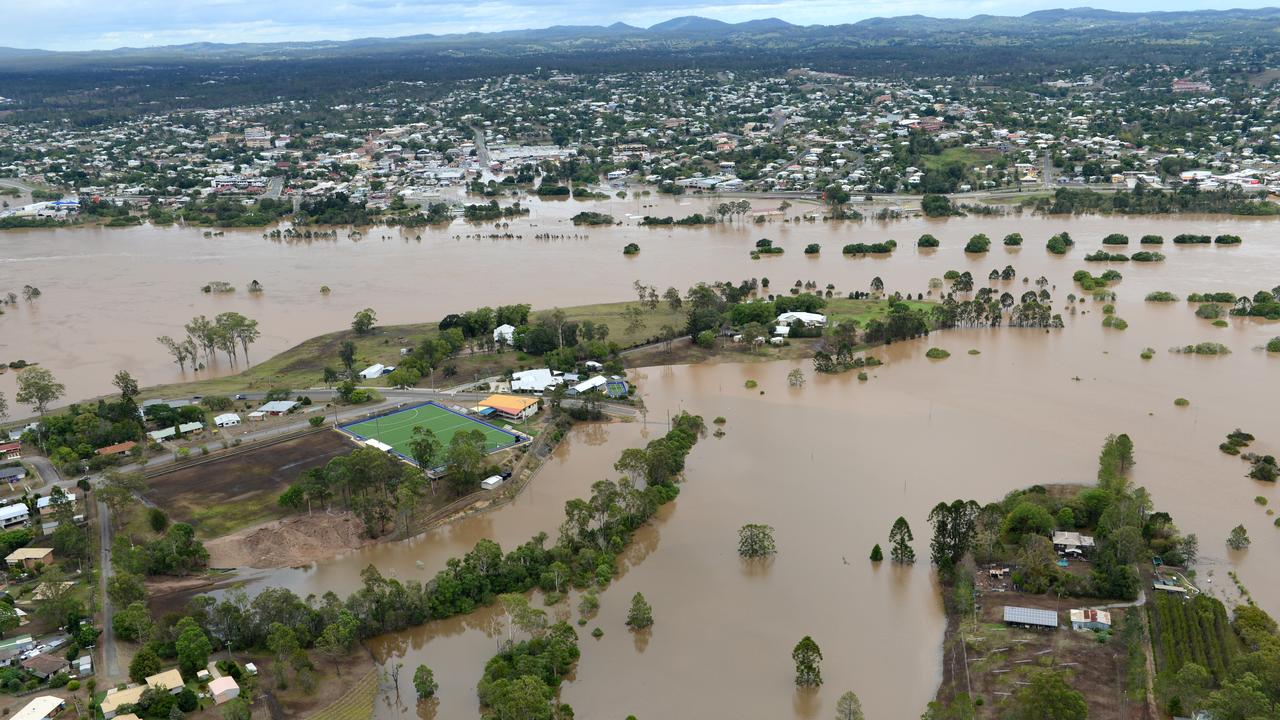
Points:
x=226 y=420
x=504 y=334
x=29 y=557
x=1090 y=619
x=276 y=408
x=14 y=514
x=45 y=665
x=13 y=474
x=119 y=449
x=170 y=680
x=11 y=451
x=117 y=699
x=1072 y=543
x=586 y=386
x=223 y=689
x=42 y=707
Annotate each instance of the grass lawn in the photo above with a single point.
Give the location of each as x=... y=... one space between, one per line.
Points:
x=965 y=156
x=862 y=311
x=396 y=429
x=302 y=366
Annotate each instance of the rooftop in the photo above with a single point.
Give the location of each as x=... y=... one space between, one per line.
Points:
x=1030 y=616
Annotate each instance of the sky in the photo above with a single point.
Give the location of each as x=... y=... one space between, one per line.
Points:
x=106 y=24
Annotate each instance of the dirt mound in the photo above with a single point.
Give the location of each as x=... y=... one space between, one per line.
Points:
x=288 y=543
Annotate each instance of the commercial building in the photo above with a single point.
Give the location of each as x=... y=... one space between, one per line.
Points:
x=510 y=406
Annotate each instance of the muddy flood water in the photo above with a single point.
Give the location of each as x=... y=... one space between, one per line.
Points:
x=828 y=465
x=109 y=292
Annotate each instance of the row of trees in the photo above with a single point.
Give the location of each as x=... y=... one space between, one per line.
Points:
x=229 y=333
x=595 y=530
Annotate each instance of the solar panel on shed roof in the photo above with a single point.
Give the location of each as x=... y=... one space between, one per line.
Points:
x=1030 y=616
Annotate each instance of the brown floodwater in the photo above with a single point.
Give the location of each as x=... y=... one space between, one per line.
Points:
x=109 y=292
x=829 y=465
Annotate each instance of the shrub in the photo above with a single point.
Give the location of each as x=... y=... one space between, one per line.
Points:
x=1104 y=256
x=1273 y=345
x=1147 y=256
x=750 y=384
x=974 y=351
x=1182 y=402
x=1151 y=240
x=719 y=420
x=1148 y=353
x=1227 y=240
x=1013 y=240
x=978 y=244
x=1220 y=323
x=927 y=241
x=631 y=249
x=812 y=249
x=876 y=553
x=1204 y=348
x=316 y=421
x=1161 y=296
x=1108 y=309
x=1114 y=322
x=880 y=248
x=1209 y=311
x=1189 y=239
x=936 y=353
x=1059 y=244
x=1116 y=239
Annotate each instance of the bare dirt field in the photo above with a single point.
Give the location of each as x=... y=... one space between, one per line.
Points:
x=225 y=495
x=288 y=542
x=990 y=660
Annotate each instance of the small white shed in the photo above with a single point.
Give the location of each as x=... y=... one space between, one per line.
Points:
x=227 y=420
x=491 y=482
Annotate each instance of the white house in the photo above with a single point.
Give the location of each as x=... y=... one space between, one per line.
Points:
x=223 y=689
x=14 y=514
x=375 y=370
x=533 y=380
x=41 y=708
x=227 y=420
x=504 y=334
x=807 y=318
x=275 y=407
x=593 y=383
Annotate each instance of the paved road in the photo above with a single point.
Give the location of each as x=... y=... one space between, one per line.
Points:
x=108 y=663
x=274 y=187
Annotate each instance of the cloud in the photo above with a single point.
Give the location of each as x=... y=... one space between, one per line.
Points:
x=94 y=24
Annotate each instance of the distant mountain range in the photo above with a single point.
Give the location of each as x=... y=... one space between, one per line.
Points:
x=691 y=28
x=1012 y=51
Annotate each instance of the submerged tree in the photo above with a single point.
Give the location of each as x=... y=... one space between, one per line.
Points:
x=640 y=616
x=755 y=540
x=876 y=553
x=1239 y=538
x=808 y=658
x=900 y=538
x=849 y=707
x=424 y=681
